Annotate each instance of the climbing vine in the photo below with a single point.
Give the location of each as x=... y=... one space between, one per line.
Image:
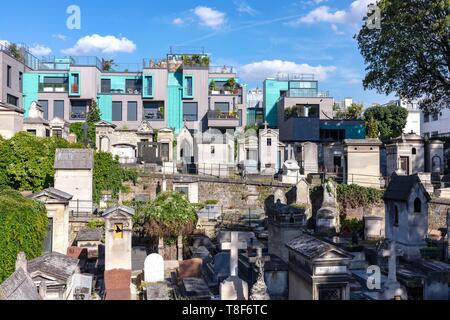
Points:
x=354 y=196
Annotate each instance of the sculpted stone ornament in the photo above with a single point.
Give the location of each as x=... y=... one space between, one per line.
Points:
x=145 y=127
x=259 y=290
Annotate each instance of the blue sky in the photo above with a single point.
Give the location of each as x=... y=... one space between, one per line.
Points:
x=258 y=37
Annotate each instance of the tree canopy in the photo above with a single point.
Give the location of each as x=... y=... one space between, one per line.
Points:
x=389 y=121
x=168 y=216
x=351 y=113
x=410 y=54
x=23 y=227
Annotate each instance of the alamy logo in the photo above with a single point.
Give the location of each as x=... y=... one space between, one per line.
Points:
x=373 y=17
x=74 y=20
x=374 y=278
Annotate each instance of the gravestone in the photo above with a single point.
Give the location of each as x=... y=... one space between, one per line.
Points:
x=327 y=218
x=154 y=268
x=234 y=288
x=373 y=228
x=280 y=196
x=392 y=289
x=190 y=268
x=259 y=290
x=221 y=266
x=303 y=199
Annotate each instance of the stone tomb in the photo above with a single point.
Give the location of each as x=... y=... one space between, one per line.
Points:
x=327 y=218
x=154 y=268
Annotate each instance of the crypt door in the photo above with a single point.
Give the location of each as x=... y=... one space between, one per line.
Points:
x=164 y=152
x=330 y=293
x=48 y=241
x=404 y=165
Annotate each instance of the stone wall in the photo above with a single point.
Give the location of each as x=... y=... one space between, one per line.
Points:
x=437 y=214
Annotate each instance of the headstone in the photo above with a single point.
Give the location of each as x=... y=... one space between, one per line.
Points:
x=303 y=197
x=81 y=287
x=259 y=290
x=373 y=228
x=233 y=288
x=157 y=291
x=154 y=268
x=280 y=196
x=392 y=289
x=310 y=158
x=291 y=172
x=190 y=268
x=327 y=218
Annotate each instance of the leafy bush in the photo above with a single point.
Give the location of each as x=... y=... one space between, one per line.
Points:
x=130 y=175
x=353 y=196
x=96 y=224
x=211 y=202
x=23 y=227
x=108 y=175
x=168 y=216
x=77 y=128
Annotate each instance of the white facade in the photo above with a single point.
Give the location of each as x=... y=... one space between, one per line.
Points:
x=432 y=125
x=413 y=122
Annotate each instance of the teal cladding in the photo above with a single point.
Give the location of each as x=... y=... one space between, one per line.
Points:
x=30 y=90
x=272 y=94
x=104 y=102
x=175 y=101
x=352 y=131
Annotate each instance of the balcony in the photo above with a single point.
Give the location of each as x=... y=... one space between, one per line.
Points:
x=53 y=87
x=77 y=116
x=222 y=69
x=153 y=116
x=306 y=93
x=220 y=119
x=129 y=91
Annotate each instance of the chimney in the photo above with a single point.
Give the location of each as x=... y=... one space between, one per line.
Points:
x=21 y=261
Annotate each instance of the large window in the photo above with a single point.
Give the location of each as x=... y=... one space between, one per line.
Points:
x=426 y=117
x=222 y=106
x=54 y=84
x=44 y=105
x=149 y=86
x=21 y=82
x=189 y=86
x=133 y=86
x=117 y=111
x=332 y=134
x=106 y=86
x=58 y=109
x=8 y=76
x=190 y=111
x=154 y=110
x=12 y=100
x=78 y=110
x=303 y=89
x=132 y=111
x=435 y=116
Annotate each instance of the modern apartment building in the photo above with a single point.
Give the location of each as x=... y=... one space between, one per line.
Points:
x=413 y=122
x=436 y=124
x=294 y=104
x=179 y=90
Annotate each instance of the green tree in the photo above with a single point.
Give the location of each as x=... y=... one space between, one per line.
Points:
x=372 y=129
x=94 y=114
x=107 y=65
x=23 y=227
x=15 y=51
x=410 y=54
x=391 y=120
x=351 y=113
x=168 y=216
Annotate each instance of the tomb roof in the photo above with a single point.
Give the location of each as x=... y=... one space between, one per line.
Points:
x=400 y=187
x=54 y=194
x=54 y=264
x=19 y=286
x=10 y=107
x=312 y=247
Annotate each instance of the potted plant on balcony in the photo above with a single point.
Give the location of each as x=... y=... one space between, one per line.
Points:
x=213 y=87
x=230 y=85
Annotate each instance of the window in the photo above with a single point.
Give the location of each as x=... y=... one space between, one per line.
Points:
x=414 y=151
x=222 y=106
x=190 y=111
x=396 y=218
x=132 y=111
x=269 y=142
x=213 y=150
x=57 y=133
x=417 y=206
x=117 y=111
x=434 y=133
x=58 y=109
x=182 y=190
x=54 y=84
x=12 y=100
x=20 y=82
x=44 y=105
x=149 y=86
x=154 y=110
x=106 y=86
x=47 y=133
x=78 y=110
x=32 y=131
x=240 y=117
x=332 y=134
x=189 y=89
x=133 y=86
x=118 y=231
x=8 y=76
x=426 y=118
x=75 y=88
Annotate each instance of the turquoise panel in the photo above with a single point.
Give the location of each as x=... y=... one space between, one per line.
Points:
x=30 y=90
x=104 y=102
x=72 y=92
x=272 y=90
x=145 y=85
x=175 y=101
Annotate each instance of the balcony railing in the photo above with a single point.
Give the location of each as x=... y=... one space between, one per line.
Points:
x=222 y=69
x=215 y=115
x=134 y=91
x=75 y=115
x=158 y=116
x=51 y=87
x=295 y=76
x=53 y=63
x=306 y=93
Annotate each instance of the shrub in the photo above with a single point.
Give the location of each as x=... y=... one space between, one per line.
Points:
x=108 y=175
x=354 y=196
x=23 y=227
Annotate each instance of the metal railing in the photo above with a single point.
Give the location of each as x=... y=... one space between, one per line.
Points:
x=295 y=76
x=53 y=87
x=222 y=69
x=306 y=93
x=220 y=115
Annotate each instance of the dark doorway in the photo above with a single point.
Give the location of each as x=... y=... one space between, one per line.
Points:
x=48 y=242
x=404 y=165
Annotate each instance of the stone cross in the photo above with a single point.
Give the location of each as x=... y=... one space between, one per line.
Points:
x=392 y=288
x=265 y=125
x=392 y=254
x=234 y=246
x=290 y=152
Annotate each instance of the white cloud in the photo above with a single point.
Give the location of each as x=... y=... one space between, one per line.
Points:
x=104 y=44
x=258 y=71
x=244 y=7
x=4 y=43
x=336 y=29
x=352 y=15
x=60 y=37
x=210 y=17
x=40 y=50
x=178 y=21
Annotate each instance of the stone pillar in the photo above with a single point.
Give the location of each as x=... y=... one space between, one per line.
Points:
x=21 y=261
x=180 y=248
x=161 y=246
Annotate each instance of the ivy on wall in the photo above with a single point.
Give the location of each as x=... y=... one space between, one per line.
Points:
x=354 y=196
x=23 y=227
